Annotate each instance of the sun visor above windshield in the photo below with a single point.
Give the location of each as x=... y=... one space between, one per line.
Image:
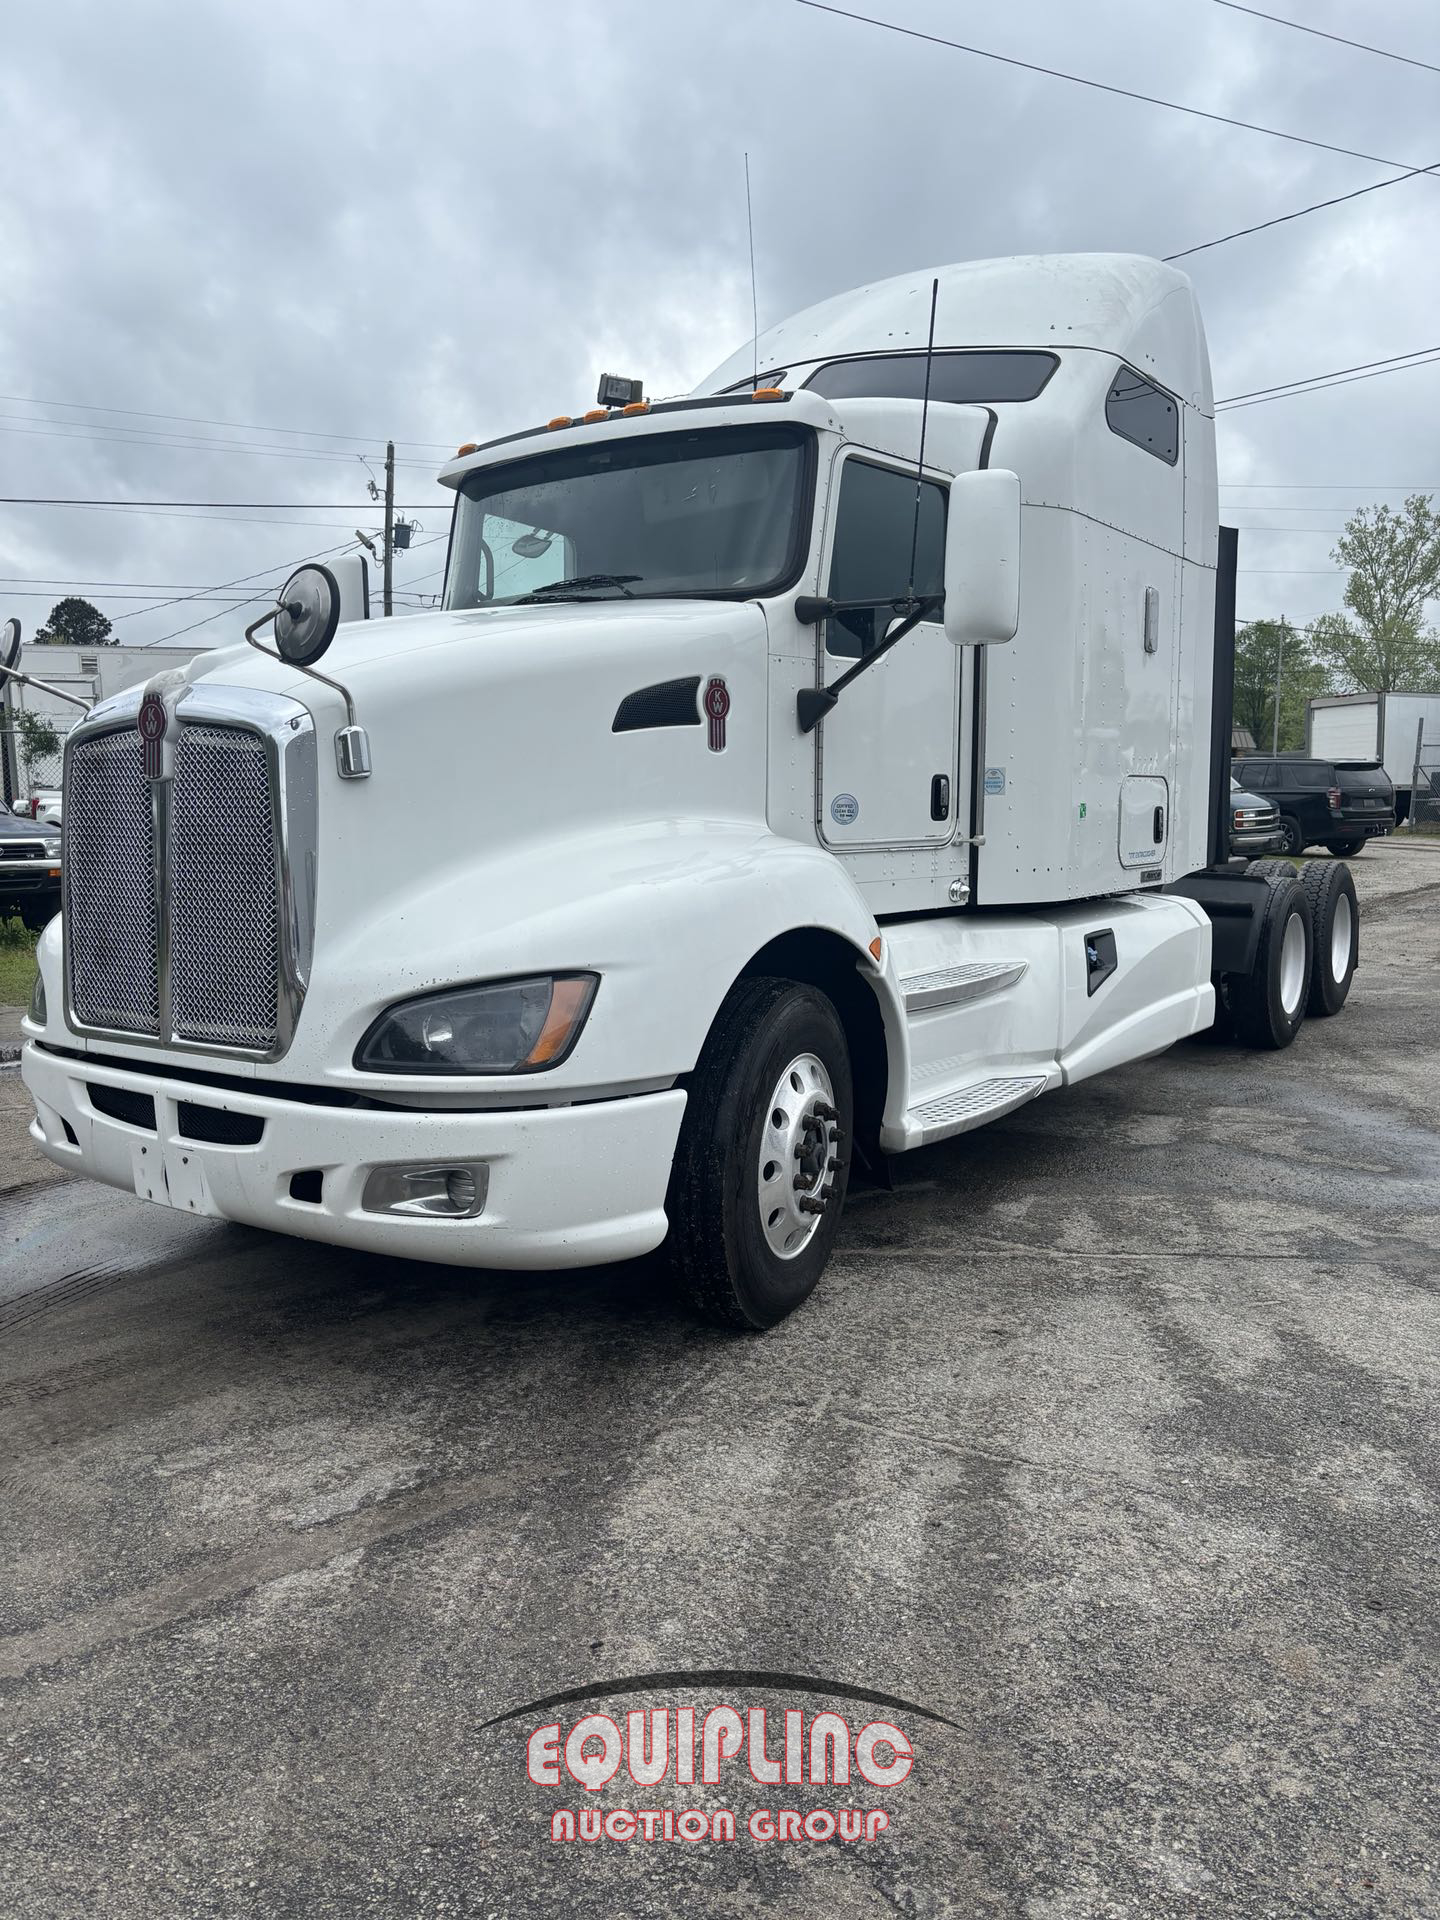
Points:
x=664 y=416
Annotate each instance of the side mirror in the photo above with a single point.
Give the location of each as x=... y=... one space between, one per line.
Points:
x=982 y=558
x=308 y=616
x=10 y=645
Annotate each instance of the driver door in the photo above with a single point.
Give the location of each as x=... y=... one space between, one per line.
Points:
x=888 y=754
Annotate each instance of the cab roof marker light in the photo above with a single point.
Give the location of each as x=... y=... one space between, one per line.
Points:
x=470 y=446
x=560 y=420
x=637 y=406
x=596 y=413
x=769 y=393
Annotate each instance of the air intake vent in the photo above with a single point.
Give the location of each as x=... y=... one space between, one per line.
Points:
x=219 y=1125
x=120 y=1103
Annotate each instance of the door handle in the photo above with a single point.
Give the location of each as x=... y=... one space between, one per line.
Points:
x=940 y=797
x=1159 y=833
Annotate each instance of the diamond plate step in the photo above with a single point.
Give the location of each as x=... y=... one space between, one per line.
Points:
x=948 y=986
x=972 y=1106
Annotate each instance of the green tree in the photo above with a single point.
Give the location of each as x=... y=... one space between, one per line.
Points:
x=75 y=623
x=1260 y=647
x=35 y=740
x=1382 y=644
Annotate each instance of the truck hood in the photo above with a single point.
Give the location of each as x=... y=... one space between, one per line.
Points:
x=496 y=764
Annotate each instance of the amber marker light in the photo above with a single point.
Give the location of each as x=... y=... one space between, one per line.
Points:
x=767 y=393
x=470 y=446
x=637 y=406
x=596 y=413
x=877 y=947
x=569 y=1003
x=560 y=420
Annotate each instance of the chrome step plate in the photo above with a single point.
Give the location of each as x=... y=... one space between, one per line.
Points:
x=949 y=986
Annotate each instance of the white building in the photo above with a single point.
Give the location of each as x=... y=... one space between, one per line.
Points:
x=94 y=673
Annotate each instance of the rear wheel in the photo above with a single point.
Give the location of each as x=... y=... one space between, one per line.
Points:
x=762 y=1164
x=1335 y=919
x=1346 y=849
x=1291 y=834
x=1268 y=1004
x=1285 y=868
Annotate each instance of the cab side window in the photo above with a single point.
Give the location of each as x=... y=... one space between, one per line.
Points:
x=1137 y=410
x=870 y=558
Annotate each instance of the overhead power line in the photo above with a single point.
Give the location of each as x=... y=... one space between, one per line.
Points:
x=1299 y=26
x=1343 y=377
x=253 y=599
x=1315 y=206
x=1104 y=86
x=243 y=426
x=271 y=506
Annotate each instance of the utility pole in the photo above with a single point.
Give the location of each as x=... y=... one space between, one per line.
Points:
x=1279 y=657
x=389 y=567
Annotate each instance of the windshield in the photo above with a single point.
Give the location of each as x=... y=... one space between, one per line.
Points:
x=717 y=513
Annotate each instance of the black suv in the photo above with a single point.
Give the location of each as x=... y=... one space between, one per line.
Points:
x=1337 y=804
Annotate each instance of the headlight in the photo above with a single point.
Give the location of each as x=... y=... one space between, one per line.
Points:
x=52 y=848
x=37 y=1002
x=510 y=1026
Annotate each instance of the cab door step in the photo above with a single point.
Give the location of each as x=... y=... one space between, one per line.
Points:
x=948 y=986
x=966 y=1107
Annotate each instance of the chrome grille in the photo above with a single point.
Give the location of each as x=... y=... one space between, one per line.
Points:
x=224 y=947
x=111 y=930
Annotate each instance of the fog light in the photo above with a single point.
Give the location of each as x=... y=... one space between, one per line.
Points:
x=443 y=1193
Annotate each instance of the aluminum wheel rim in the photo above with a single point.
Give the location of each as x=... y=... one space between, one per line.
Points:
x=795 y=1168
x=1342 y=933
x=1292 y=965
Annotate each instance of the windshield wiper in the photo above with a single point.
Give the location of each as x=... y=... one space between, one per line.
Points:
x=554 y=588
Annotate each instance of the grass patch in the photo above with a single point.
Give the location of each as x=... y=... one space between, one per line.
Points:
x=17 y=963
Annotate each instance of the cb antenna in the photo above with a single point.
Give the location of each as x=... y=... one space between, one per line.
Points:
x=754 y=305
x=924 y=416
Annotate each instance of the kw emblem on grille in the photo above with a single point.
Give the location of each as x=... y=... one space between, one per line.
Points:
x=152 y=722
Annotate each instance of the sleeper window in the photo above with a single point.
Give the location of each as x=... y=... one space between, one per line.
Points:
x=874 y=528
x=1140 y=412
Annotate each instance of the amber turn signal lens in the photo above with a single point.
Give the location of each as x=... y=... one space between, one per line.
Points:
x=568 y=1005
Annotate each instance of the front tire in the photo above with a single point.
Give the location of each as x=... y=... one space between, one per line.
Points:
x=762 y=1164
x=1268 y=1003
x=1335 y=918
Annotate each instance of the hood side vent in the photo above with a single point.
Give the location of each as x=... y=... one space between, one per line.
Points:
x=669 y=703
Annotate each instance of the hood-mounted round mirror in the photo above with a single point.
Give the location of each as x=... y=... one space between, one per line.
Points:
x=309 y=614
x=10 y=644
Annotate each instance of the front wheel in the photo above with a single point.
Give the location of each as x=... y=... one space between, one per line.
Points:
x=763 y=1159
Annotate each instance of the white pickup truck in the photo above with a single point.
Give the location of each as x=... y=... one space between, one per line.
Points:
x=826 y=763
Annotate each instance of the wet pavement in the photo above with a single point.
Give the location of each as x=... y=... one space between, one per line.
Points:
x=1110 y=1437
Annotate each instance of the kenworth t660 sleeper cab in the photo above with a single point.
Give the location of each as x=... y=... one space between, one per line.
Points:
x=822 y=765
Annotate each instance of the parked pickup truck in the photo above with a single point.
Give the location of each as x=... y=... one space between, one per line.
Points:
x=29 y=868
x=1254 y=823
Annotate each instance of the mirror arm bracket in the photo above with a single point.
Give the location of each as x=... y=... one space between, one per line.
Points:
x=813 y=703
x=352 y=743
x=27 y=680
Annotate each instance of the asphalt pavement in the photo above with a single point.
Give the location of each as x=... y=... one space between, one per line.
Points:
x=1109 y=1437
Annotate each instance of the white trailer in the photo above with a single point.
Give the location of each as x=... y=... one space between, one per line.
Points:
x=827 y=763
x=1388 y=727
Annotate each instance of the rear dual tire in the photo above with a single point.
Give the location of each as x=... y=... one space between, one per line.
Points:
x=1335 y=922
x=1267 y=1005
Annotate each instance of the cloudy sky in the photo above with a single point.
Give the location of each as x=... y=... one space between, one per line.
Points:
x=239 y=245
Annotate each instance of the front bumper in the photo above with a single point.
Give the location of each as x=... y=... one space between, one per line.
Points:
x=569 y=1186
x=1256 y=840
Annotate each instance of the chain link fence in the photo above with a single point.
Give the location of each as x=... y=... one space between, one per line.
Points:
x=1425 y=799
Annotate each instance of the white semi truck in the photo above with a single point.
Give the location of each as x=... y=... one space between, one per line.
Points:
x=822 y=765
